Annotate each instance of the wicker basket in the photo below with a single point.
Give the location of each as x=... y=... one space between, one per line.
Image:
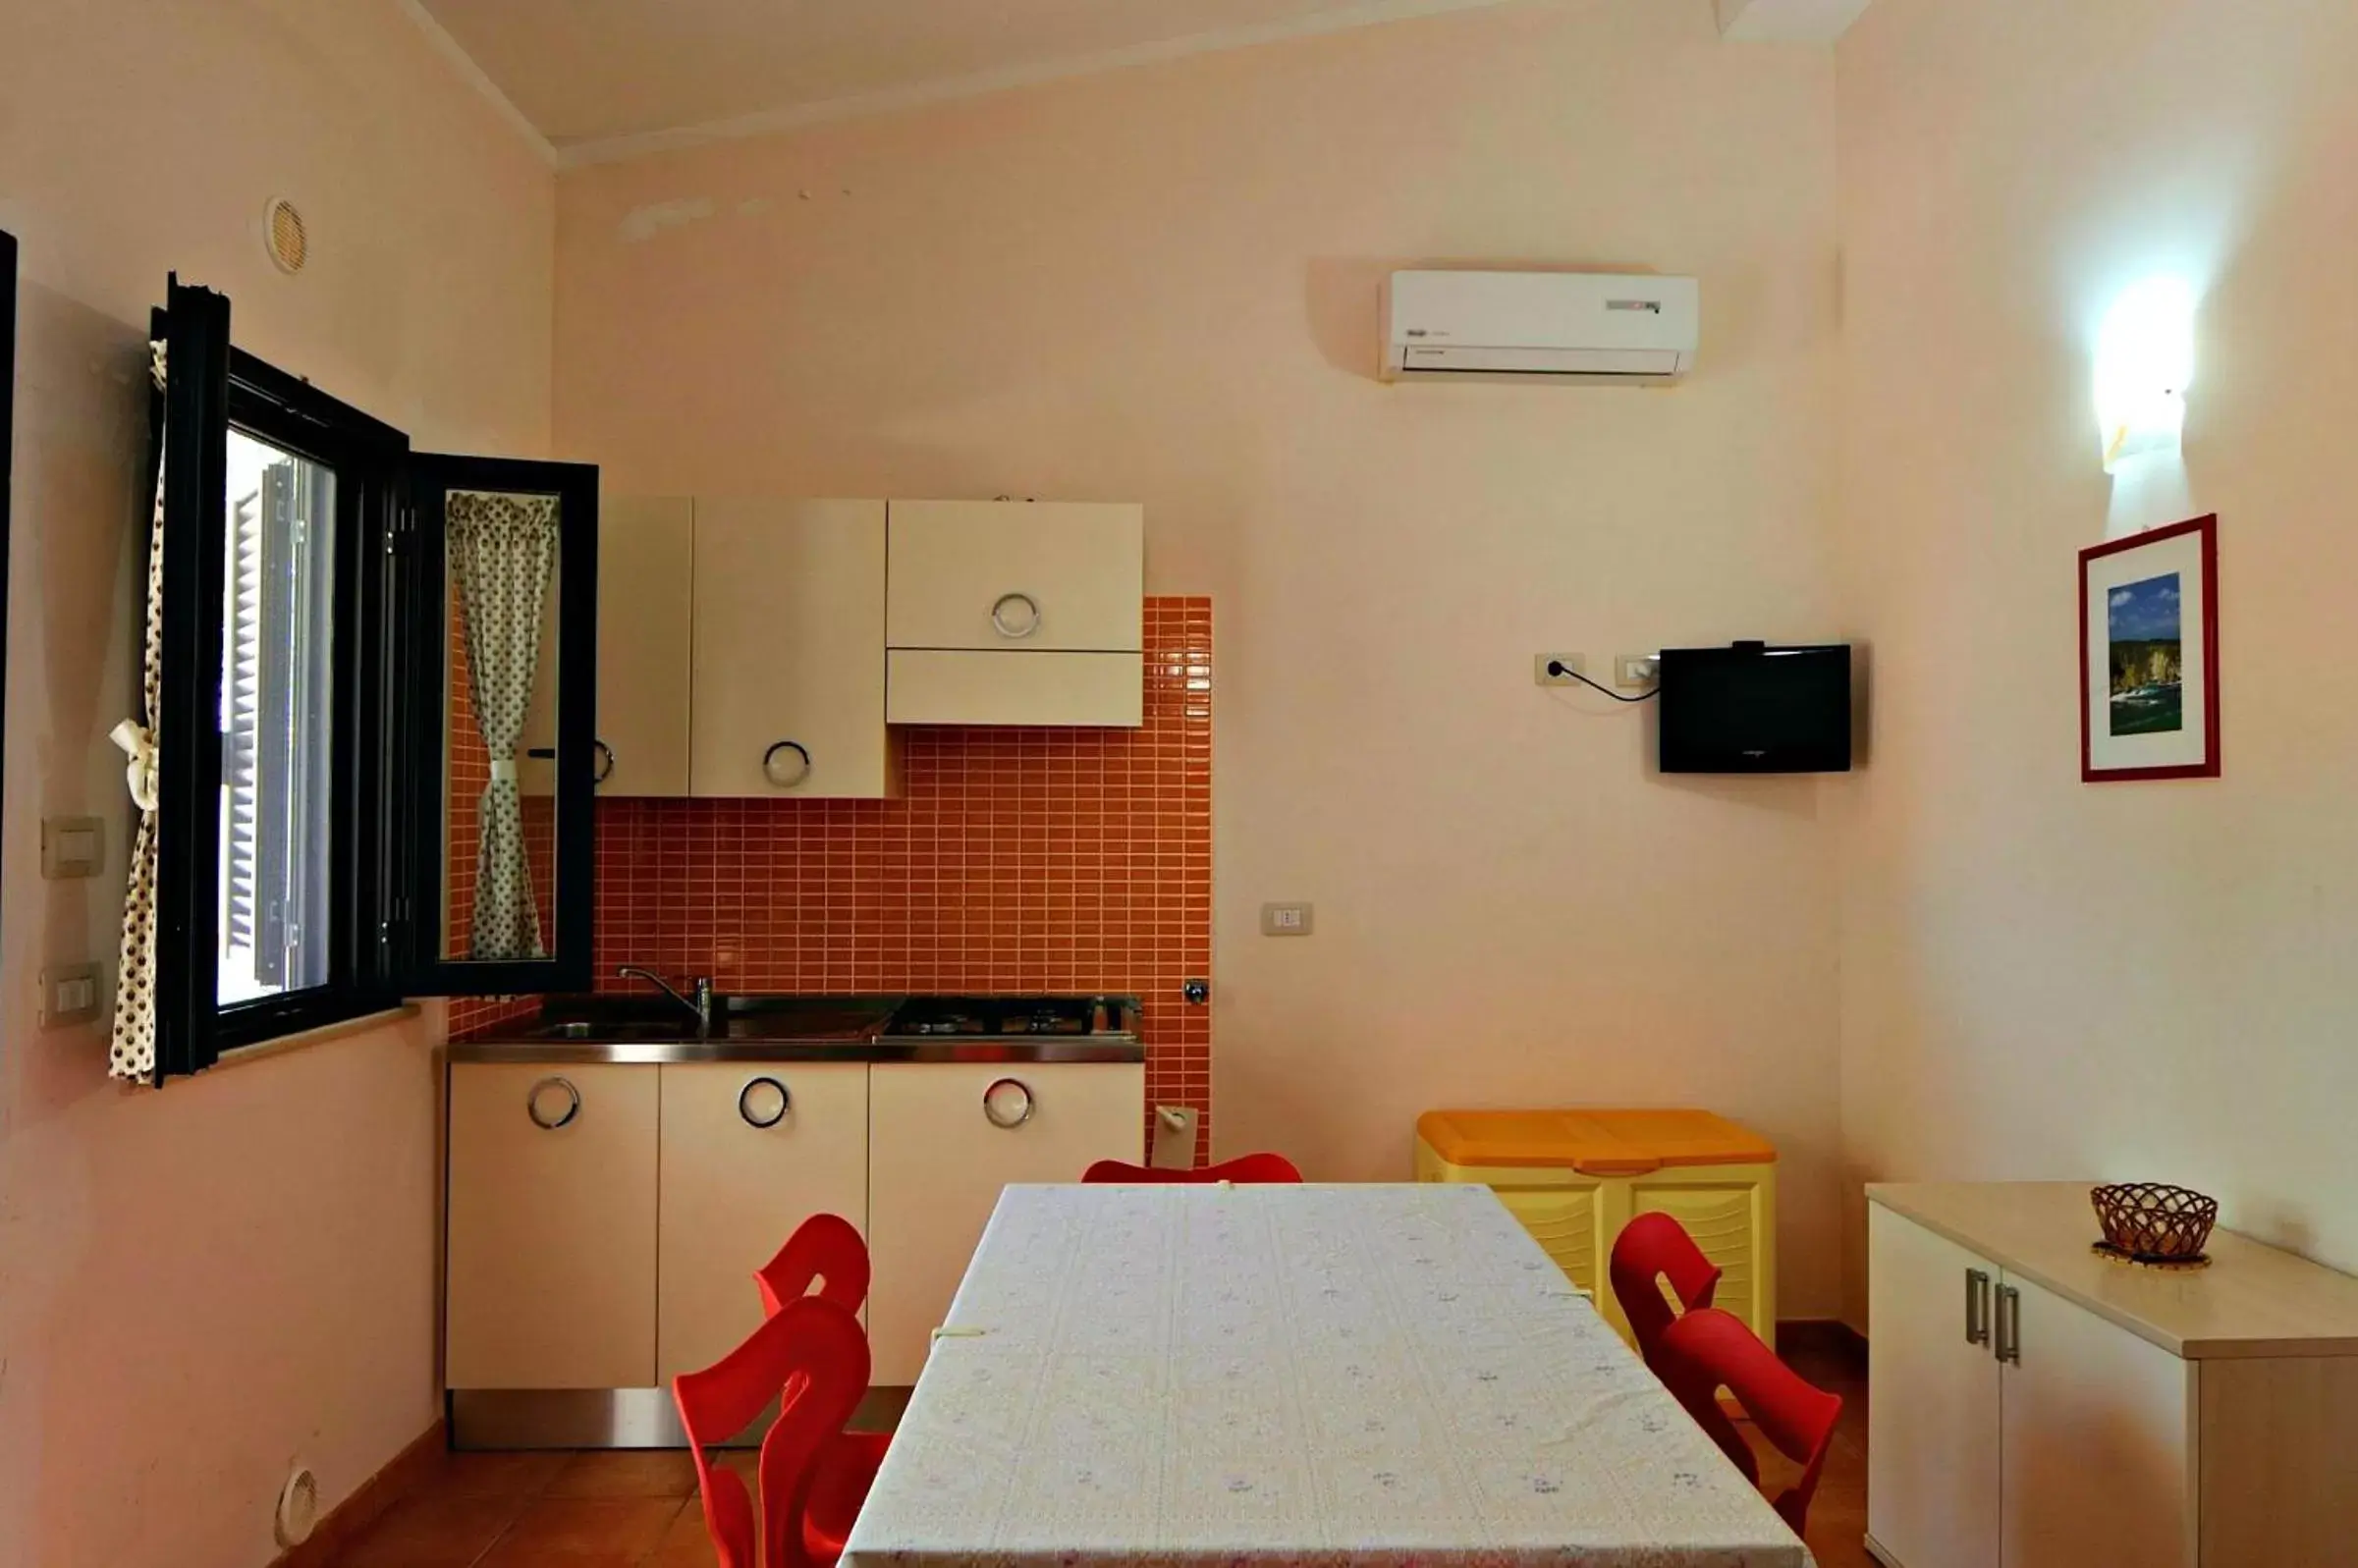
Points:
x=2153 y=1221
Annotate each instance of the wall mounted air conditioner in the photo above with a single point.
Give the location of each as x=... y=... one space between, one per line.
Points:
x=1540 y=326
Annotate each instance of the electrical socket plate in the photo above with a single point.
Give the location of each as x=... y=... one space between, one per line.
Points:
x=1634 y=671
x=1570 y=660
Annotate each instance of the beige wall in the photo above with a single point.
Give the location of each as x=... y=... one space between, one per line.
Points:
x=200 y=1287
x=2043 y=978
x=1160 y=285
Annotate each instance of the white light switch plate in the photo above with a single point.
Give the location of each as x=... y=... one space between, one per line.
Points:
x=69 y=994
x=1285 y=919
x=72 y=847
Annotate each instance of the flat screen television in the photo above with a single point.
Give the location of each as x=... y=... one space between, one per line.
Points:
x=1752 y=707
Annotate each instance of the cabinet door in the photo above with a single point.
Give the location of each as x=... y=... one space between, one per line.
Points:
x=956 y=686
x=645 y=605
x=552 y=1226
x=2097 y=1442
x=1933 y=1425
x=787 y=678
x=1014 y=575
x=748 y=1154
x=935 y=1163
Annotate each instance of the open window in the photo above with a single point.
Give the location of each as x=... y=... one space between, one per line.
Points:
x=358 y=645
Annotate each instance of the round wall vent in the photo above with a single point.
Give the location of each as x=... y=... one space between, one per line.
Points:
x=283 y=231
x=297 y=1509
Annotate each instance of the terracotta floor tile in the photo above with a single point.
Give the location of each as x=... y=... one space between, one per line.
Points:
x=628 y=1473
x=500 y=1475
x=432 y=1531
x=584 y=1532
x=686 y=1545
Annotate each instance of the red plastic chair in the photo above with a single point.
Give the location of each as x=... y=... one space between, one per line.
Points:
x=813 y=1358
x=1251 y=1169
x=1652 y=1248
x=1708 y=1350
x=825 y=1249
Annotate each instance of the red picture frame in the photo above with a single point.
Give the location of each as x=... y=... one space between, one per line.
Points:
x=2204 y=533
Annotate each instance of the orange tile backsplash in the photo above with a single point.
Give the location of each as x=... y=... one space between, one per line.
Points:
x=1018 y=860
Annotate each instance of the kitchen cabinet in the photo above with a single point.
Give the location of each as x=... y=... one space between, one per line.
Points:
x=646 y=593
x=1933 y=1467
x=786 y=686
x=2090 y=1418
x=1038 y=576
x=749 y=1151
x=2036 y=1405
x=551 y=1237
x=1015 y=612
x=941 y=686
x=943 y=1138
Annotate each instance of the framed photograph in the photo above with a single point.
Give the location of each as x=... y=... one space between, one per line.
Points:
x=2149 y=654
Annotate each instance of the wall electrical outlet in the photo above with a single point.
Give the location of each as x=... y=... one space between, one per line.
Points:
x=1570 y=660
x=1286 y=920
x=1634 y=671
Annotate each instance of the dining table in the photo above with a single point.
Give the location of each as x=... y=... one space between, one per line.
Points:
x=1222 y=1377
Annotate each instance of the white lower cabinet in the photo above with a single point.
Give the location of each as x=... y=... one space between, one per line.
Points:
x=1932 y=1461
x=2010 y=1428
x=605 y=1219
x=2014 y=1426
x=2097 y=1441
x=749 y=1151
x=943 y=1141
x=552 y=1226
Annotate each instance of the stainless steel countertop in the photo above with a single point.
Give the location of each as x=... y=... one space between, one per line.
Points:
x=942 y=1048
x=768 y=1029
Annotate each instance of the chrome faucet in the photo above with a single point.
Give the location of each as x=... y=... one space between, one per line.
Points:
x=700 y=1003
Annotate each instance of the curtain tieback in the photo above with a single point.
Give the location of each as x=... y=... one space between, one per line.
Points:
x=139 y=744
x=502 y=770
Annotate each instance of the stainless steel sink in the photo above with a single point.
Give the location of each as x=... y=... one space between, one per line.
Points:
x=610 y=1030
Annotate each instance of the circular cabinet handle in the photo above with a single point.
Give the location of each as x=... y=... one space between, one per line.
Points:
x=605 y=768
x=744 y=1102
x=573 y=1104
x=785 y=774
x=1024 y=625
x=997 y=1118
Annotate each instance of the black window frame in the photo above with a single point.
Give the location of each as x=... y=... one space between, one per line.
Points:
x=389 y=641
x=220 y=392
x=8 y=427
x=419 y=713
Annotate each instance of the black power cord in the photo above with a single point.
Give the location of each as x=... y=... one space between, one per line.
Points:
x=1561 y=671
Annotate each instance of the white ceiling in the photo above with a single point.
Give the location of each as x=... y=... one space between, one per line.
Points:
x=603 y=78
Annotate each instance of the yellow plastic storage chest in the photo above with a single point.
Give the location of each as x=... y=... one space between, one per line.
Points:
x=1575 y=1177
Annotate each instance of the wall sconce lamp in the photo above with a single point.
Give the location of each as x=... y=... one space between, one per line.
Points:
x=2144 y=362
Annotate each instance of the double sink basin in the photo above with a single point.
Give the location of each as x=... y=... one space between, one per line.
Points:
x=762 y=1028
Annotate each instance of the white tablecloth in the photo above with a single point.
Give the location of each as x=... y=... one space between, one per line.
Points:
x=1210 y=1376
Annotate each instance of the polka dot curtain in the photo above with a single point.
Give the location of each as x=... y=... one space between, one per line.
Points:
x=503 y=549
x=130 y=1051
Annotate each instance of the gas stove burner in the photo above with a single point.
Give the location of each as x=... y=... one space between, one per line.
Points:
x=932 y=1017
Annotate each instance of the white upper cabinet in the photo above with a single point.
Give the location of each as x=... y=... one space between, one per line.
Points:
x=788 y=678
x=1017 y=613
x=645 y=598
x=1032 y=576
